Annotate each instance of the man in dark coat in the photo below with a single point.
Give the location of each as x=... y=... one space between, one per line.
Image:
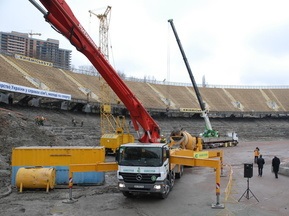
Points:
x=260 y=163
x=275 y=165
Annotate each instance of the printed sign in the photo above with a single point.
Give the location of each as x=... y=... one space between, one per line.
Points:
x=201 y=155
x=33 y=60
x=33 y=91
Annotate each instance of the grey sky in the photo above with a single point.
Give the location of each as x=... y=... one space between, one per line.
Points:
x=230 y=42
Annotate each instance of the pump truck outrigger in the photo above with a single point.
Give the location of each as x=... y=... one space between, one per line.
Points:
x=148 y=166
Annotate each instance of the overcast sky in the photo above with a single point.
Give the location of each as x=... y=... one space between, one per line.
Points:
x=229 y=42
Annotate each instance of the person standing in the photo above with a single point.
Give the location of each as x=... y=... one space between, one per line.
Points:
x=275 y=165
x=256 y=154
x=260 y=163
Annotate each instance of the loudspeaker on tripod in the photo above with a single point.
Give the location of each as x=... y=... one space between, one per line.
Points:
x=248 y=170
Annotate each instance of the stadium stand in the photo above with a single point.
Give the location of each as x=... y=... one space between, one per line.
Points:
x=155 y=97
x=10 y=74
x=217 y=100
x=250 y=99
x=280 y=96
x=92 y=84
x=146 y=95
x=51 y=77
x=178 y=96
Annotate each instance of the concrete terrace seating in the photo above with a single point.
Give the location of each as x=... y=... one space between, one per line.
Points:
x=152 y=96
x=93 y=83
x=179 y=96
x=51 y=77
x=252 y=100
x=11 y=75
x=281 y=97
x=216 y=99
x=146 y=95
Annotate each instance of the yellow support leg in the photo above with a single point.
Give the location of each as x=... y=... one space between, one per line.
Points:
x=21 y=187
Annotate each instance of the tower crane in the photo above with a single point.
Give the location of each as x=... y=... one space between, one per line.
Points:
x=114 y=131
x=103 y=30
x=33 y=33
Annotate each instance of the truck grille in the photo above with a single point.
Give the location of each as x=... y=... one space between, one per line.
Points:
x=139 y=177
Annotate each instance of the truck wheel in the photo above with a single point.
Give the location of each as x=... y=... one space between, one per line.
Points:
x=179 y=174
x=172 y=179
x=166 y=190
x=127 y=194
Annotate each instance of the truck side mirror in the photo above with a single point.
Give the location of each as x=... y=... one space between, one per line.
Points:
x=168 y=153
x=117 y=155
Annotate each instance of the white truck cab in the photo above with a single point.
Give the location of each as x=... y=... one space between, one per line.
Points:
x=144 y=168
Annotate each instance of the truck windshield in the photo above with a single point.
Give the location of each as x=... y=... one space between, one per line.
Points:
x=140 y=156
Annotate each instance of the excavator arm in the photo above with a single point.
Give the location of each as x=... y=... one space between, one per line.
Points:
x=62 y=19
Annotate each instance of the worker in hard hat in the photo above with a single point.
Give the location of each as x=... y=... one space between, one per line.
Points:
x=256 y=154
x=163 y=139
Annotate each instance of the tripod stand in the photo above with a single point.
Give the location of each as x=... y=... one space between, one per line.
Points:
x=247 y=192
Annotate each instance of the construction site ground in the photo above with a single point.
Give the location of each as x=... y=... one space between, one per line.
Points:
x=193 y=194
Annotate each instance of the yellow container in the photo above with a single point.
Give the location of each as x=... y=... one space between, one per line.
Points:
x=35 y=177
x=57 y=155
x=60 y=158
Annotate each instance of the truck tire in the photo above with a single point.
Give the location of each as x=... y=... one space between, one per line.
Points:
x=172 y=179
x=127 y=194
x=179 y=174
x=166 y=190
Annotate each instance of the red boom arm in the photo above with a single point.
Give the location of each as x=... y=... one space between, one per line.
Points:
x=62 y=18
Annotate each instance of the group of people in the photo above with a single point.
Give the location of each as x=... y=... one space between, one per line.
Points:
x=259 y=160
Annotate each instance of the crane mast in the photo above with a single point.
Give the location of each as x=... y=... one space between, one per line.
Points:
x=108 y=122
x=61 y=17
x=104 y=20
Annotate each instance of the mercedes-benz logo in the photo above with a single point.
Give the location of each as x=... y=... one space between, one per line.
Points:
x=139 y=177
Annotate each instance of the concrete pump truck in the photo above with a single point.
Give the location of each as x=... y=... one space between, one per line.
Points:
x=148 y=166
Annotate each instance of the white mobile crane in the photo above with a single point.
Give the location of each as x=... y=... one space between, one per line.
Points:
x=210 y=136
x=148 y=166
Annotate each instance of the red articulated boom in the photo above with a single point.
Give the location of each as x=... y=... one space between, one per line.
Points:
x=61 y=17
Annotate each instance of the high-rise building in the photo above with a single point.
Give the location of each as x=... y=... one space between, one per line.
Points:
x=46 y=50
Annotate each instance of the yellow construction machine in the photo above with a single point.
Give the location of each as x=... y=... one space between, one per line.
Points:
x=115 y=131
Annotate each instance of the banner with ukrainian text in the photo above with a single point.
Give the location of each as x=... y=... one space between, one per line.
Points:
x=33 y=91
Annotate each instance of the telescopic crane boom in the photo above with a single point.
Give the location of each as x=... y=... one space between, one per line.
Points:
x=200 y=100
x=61 y=17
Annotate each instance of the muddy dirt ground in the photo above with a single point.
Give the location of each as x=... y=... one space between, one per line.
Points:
x=18 y=128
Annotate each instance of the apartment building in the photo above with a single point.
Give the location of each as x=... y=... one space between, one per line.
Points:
x=46 y=50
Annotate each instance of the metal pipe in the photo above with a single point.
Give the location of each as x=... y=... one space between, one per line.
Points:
x=38 y=7
x=149 y=135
